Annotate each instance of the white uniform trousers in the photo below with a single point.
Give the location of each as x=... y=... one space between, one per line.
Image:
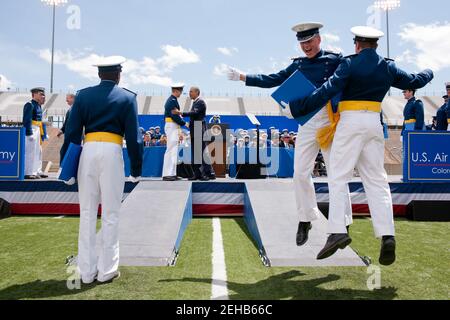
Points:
x=101 y=179
x=306 y=150
x=33 y=154
x=359 y=142
x=171 y=156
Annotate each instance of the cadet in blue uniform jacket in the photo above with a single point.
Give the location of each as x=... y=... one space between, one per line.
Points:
x=414 y=112
x=106 y=113
x=364 y=79
x=35 y=134
x=172 y=104
x=317 y=66
x=441 y=116
x=172 y=131
x=32 y=111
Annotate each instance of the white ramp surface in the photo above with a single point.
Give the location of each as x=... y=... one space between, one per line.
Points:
x=150 y=222
x=274 y=207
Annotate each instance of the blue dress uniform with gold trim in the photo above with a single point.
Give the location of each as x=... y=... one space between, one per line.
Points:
x=106 y=113
x=317 y=70
x=111 y=109
x=172 y=131
x=171 y=104
x=414 y=114
x=364 y=79
x=32 y=111
x=35 y=133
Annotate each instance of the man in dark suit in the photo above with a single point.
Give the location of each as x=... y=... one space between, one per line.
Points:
x=197 y=127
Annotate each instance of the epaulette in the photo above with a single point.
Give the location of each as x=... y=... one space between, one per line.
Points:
x=389 y=59
x=351 y=56
x=333 y=53
x=296 y=58
x=130 y=91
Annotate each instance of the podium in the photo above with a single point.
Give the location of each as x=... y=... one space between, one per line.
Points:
x=217 y=148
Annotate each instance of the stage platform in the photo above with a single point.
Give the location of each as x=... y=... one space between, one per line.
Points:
x=223 y=197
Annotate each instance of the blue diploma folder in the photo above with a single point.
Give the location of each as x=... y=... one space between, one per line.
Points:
x=69 y=166
x=410 y=126
x=294 y=88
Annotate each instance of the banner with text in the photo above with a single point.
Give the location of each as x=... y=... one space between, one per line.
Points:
x=426 y=156
x=12 y=153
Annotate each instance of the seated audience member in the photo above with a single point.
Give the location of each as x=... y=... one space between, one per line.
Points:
x=147 y=141
x=163 y=141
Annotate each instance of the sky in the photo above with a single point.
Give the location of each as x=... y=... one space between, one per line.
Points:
x=194 y=41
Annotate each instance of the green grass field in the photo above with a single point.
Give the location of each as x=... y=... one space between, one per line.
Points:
x=33 y=250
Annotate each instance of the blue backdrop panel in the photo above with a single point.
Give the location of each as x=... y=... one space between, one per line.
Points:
x=235 y=122
x=12 y=153
x=282 y=166
x=152 y=166
x=426 y=156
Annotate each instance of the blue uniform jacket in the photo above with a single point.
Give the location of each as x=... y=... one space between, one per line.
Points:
x=443 y=117
x=317 y=70
x=414 y=110
x=107 y=108
x=362 y=77
x=172 y=103
x=32 y=111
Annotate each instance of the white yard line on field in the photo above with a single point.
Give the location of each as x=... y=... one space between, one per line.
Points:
x=219 y=272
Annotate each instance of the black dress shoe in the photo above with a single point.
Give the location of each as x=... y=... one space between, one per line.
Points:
x=334 y=242
x=387 y=253
x=303 y=232
x=170 y=179
x=212 y=177
x=43 y=176
x=193 y=179
x=204 y=178
x=31 y=178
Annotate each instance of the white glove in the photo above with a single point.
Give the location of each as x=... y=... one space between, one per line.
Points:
x=31 y=138
x=234 y=74
x=71 y=182
x=134 y=179
x=286 y=110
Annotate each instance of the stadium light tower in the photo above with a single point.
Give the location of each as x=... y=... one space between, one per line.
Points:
x=387 y=5
x=54 y=4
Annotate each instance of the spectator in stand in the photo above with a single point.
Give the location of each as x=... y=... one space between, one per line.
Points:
x=147 y=140
x=154 y=142
x=151 y=131
x=433 y=125
x=286 y=142
x=215 y=119
x=247 y=141
x=158 y=133
x=163 y=141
